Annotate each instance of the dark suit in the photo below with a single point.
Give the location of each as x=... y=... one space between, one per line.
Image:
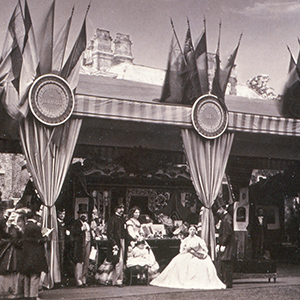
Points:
x=81 y=251
x=116 y=235
x=33 y=258
x=227 y=240
x=61 y=243
x=258 y=234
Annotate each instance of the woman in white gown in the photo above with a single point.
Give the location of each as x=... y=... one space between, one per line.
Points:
x=139 y=252
x=192 y=268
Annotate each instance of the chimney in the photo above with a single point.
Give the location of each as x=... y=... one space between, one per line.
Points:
x=102 y=54
x=122 y=51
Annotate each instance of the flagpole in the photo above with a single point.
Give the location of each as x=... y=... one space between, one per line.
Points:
x=291 y=54
x=219 y=39
x=178 y=41
x=206 y=56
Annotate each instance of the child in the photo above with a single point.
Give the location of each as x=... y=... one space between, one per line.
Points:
x=140 y=254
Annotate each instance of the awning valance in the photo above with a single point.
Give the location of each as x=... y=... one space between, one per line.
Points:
x=178 y=115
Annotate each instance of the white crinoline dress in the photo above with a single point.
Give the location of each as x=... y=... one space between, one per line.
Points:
x=188 y=271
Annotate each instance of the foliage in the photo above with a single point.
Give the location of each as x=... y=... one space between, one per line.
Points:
x=259 y=84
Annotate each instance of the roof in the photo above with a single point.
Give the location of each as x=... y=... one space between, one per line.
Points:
x=108 y=87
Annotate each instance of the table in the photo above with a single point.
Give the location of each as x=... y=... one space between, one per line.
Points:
x=164 y=250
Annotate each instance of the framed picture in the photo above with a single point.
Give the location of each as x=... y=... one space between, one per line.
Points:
x=272 y=216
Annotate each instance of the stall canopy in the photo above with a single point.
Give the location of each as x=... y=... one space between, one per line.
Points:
x=245 y=114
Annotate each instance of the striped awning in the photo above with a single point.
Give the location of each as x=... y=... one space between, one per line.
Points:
x=178 y=115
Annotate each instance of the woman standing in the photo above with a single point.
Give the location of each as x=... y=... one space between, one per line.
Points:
x=192 y=268
x=139 y=252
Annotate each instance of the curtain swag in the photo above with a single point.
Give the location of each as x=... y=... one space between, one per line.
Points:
x=207 y=160
x=48 y=152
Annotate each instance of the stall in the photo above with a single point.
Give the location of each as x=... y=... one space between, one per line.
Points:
x=108 y=115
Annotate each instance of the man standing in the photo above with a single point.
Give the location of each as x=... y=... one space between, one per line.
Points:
x=257 y=229
x=225 y=247
x=116 y=236
x=62 y=232
x=82 y=245
x=33 y=257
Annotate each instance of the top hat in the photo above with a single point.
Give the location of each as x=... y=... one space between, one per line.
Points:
x=219 y=202
x=82 y=208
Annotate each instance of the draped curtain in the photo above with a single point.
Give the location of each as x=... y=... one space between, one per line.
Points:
x=48 y=152
x=207 y=161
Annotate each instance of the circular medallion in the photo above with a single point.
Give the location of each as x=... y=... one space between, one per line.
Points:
x=209 y=116
x=51 y=99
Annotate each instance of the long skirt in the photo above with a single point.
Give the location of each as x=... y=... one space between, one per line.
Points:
x=187 y=271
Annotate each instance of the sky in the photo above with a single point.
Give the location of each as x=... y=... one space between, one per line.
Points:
x=267 y=27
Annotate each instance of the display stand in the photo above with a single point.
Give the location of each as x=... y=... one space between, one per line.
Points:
x=255 y=269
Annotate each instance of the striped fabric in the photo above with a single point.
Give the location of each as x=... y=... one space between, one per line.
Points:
x=177 y=115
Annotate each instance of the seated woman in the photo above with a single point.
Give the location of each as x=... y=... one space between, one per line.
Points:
x=139 y=252
x=192 y=268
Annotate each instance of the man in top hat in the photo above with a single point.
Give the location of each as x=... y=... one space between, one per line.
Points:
x=116 y=237
x=81 y=234
x=258 y=230
x=225 y=247
x=62 y=233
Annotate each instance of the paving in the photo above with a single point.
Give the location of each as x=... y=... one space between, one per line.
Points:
x=287 y=286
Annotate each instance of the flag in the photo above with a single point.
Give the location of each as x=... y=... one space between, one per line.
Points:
x=171 y=91
x=202 y=63
x=11 y=62
x=30 y=61
x=60 y=45
x=191 y=85
x=289 y=106
x=45 y=63
x=10 y=100
x=292 y=60
x=225 y=75
x=11 y=57
x=216 y=85
x=73 y=60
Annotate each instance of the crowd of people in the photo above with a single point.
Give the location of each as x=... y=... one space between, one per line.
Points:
x=22 y=252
